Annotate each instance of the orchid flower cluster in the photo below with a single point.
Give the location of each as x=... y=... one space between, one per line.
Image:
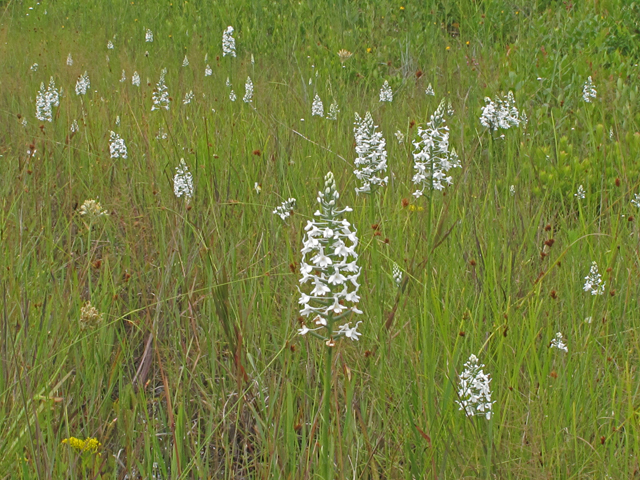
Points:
x=558 y=342
x=502 y=113
x=45 y=100
x=386 y=94
x=285 y=209
x=83 y=84
x=117 y=148
x=228 y=43
x=432 y=158
x=329 y=262
x=372 y=155
x=474 y=391
x=248 y=91
x=316 y=107
x=589 y=91
x=183 y=181
x=160 y=94
x=593 y=282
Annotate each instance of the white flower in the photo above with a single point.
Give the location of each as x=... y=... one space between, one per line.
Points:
x=558 y=343
x=188 y=97
x=400 y=137
x=248 y=91
x=257 y=187
x=397 y=275
x=117 y=148
x=502 y=113
x=83 y=84
x=432 y=158
x=386 y=94
x=53 y=95
x=207 y=71
x=512 y=190
x=74 y=127
x=333 y=111
x=329 y=263
x=160 y=94
x=92 y=209
x=429 y=91
x=135 y=80
x=474 y=392
x=593 y=282
x=580 y=193
x=183 y=181
x=161 y=135
x=185 y=62
x=118 y=120
x=285 y=210
x=110 y=45
x=43 y=105
x=589 y=90
x=69 y=60
x=34 y=67
x=371 y=162
x=228 y=43
x=636 y=200
x=317 y=107
x=124 y=77
x=228 y=82
x=148 y=36
x=232 y=96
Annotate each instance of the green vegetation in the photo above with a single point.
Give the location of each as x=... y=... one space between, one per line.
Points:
x=188 y=364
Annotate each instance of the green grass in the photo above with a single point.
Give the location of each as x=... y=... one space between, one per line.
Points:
x=196 y=369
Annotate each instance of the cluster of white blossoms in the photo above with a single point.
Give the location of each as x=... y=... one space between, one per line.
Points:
x=207 y=71
x=474 y=391
x=183 y=181
x=228 y=43
x=397 y=275
x=123 y=78
x=74 y=127
x=160 y=94
x=429 y=91
x=502 y=113
x=316 y=107
x=46 y=100
x=69 y=60
x=589 y=90
x=117 y=148
x=580 y=195
x=329 y=263
x=558 y=342
x=333 y=111
x=248 y=91
x=285 y=209
x=636 y=200
x=372 y=155
x=593 y=282
x=92 y=209
x=386 y=94
x=148 y=36
x=188 y=97
x=83 y=84
x=432 y=158
x=135 y=79
x=185 y=62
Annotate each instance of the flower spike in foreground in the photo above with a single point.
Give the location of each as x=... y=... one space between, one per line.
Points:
x=502 y=113
x=474 y=391
x=329 y=264
x=372 y=156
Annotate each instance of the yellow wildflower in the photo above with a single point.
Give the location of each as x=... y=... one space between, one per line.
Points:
x=90 y=445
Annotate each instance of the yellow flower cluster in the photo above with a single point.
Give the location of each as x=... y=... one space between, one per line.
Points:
x=90 y=445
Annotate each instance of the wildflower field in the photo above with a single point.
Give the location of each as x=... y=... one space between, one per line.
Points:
x=319 y=239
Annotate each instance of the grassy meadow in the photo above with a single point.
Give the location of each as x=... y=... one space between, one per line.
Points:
x=160 y=341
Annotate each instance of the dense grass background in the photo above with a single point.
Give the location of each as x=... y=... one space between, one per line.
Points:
x=196 y=370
